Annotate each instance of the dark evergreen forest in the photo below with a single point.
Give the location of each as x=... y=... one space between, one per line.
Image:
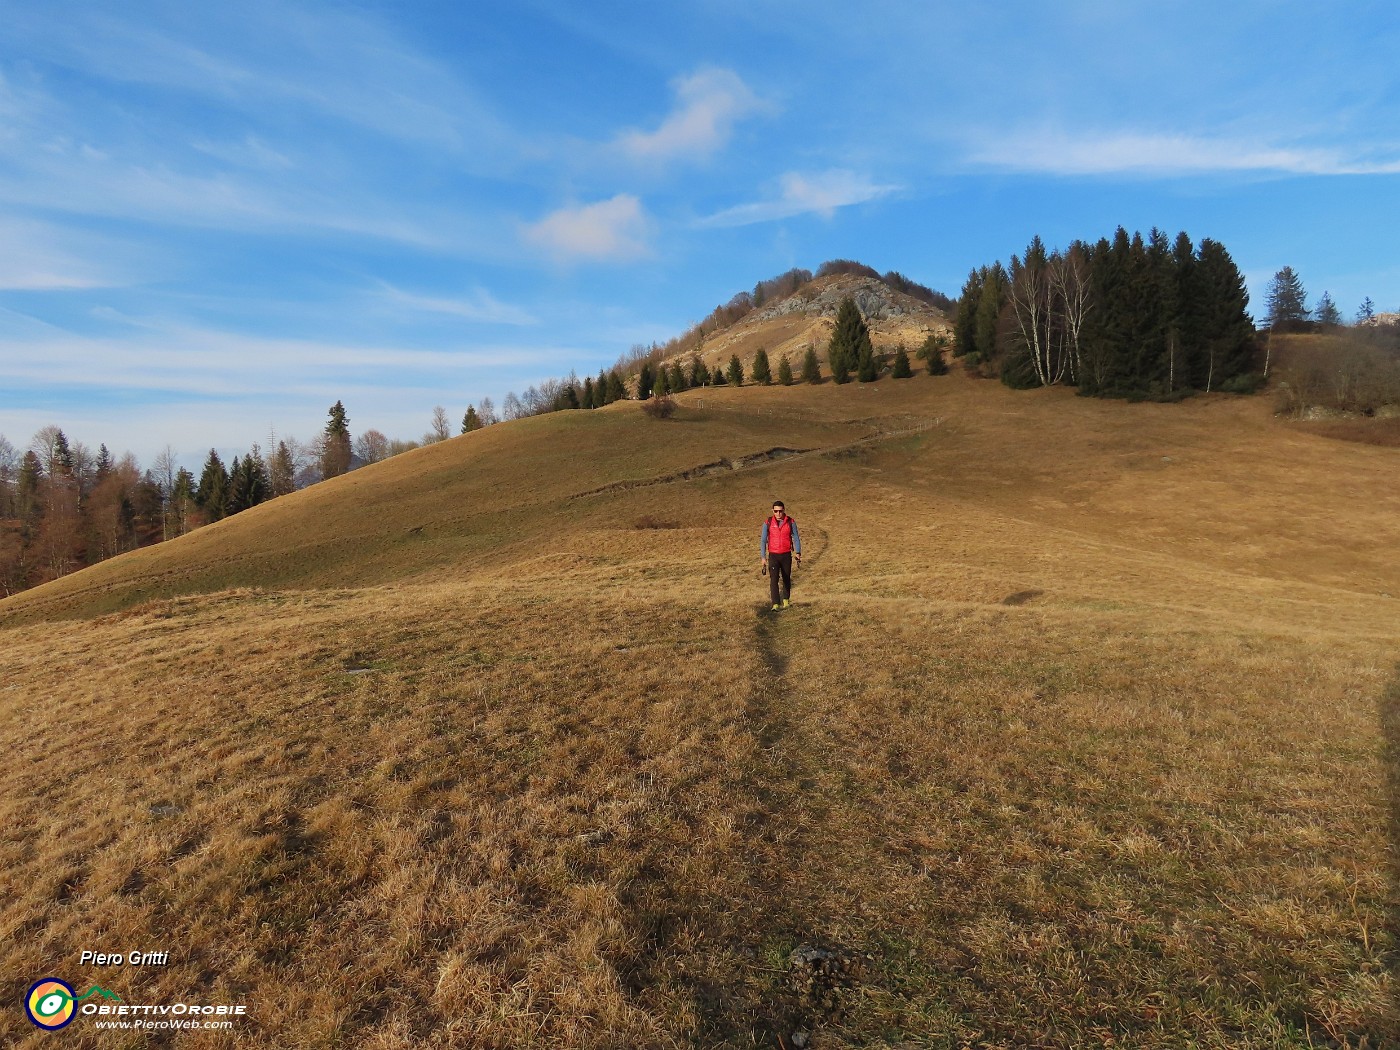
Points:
x=1129 y=317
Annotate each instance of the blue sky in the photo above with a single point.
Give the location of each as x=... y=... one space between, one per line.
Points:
x=216 y=220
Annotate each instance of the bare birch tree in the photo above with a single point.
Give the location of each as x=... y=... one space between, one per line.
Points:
x=1030 y=300
x=441 y=429
x=1073 y=292
x=164 y=469
x=9 y=475
x=372 y=446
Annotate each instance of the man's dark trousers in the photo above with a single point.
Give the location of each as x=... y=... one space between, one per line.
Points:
x=779 y=563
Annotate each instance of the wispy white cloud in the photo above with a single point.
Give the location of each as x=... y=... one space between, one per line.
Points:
x=478 y=305
x=38 y=256
x=210 y=363
x=249 y=152
x=798 y=194
x=615 y=229
x=269 y=120
x=330 y=60
x=708 y=104
x=81 y=180
x=1056 y=152
x=153 y=381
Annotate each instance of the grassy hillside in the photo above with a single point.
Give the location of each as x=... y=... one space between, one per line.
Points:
x=1081 y=729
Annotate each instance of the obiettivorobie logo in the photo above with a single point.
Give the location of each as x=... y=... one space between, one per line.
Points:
x=52 y=1004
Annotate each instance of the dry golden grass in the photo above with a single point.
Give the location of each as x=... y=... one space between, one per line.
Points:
x=1083 y=726
x=1367 y=431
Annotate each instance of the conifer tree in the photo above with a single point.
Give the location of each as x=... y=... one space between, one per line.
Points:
x=784 y=372
x=849 y=341
x=901 y=364
x=31 y=476
x=568 y=397
x=213 y=487
x=1288 y=302
x=1108 y=330
x=699 y=373
x=1159 y=338
x=586 y=399
x=257 y=483
x=282 y=474
x=867 y=365
x=104 y=462
x=735 y=372
x=663 y=382
x=247 y=483
x=717 y=377
x=1227 y=329
x=236 y=495
x=600 y=389
x=63 y=454
x=1186 y=338
x=1326 y=312
x=645 y=379
x=761 y=372
x=182 y=499
x=932 y=351
x=1367 y=313
x=1128 y=379
x=811 y=370
x=616 y=391
x=678 y=382
x=989 y=303
x=335 y=454
x=965 y=317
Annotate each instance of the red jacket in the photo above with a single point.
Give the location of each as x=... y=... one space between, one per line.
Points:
x=779 y=536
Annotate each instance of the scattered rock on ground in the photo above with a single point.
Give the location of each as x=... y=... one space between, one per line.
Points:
x=824 y=975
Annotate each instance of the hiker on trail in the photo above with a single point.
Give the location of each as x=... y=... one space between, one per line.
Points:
x=778 y=544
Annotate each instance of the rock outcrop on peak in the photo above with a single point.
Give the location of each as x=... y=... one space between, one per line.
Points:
x=806 y=319
x=822 y=298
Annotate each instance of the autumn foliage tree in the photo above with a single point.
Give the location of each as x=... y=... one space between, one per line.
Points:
x=63 y=506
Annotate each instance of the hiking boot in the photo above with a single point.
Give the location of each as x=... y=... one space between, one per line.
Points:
x=786 y=603
x=776 y=606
